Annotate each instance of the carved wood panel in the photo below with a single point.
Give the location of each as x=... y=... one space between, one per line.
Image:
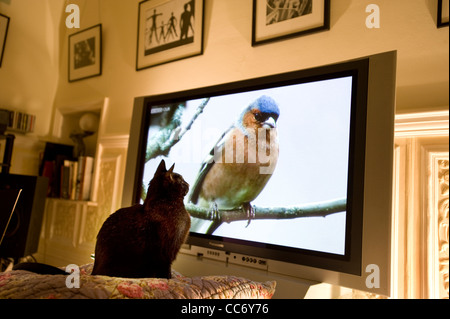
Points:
x=63 y=221
x=442 y=202
x=420 y=231
x=420 y=215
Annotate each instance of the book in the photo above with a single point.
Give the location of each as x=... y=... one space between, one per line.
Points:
x=73 y=180
x=64 y=188
x=84 y=177
x=68 y=179
x=48 y=170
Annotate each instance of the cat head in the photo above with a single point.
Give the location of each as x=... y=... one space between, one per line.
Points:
x=167 y=183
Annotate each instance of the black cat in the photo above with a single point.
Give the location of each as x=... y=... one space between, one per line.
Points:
x=142 y=241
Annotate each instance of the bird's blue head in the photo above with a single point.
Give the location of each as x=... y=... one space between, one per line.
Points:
x=263 y=112
x=266 y=105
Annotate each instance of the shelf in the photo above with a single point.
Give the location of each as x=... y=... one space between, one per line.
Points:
x=20 y=122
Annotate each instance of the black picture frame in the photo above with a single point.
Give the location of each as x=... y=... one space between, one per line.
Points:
x=272 y=23
x=85 y=54
x=442 y=13
x=4 y=25
x=162 y=20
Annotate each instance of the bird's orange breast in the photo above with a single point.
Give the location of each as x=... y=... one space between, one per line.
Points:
x=237 y=176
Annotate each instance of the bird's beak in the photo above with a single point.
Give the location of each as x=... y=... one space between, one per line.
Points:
x=269 y=123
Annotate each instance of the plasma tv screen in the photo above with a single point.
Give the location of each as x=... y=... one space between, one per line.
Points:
x=309 y=199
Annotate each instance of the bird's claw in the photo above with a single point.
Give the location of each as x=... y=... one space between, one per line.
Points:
x=214 y=211
x=249 y=212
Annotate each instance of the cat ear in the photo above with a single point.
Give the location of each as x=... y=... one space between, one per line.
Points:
x=161 y=168
x=171 y=168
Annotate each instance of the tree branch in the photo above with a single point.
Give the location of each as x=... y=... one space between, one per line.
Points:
x=171 y=134
x=162 y=141
x=320 y=209
x=197 y=113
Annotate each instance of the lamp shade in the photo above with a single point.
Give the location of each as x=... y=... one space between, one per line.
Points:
x=89 y=122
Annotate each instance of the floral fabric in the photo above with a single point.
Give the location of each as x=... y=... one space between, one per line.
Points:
x=21 y=284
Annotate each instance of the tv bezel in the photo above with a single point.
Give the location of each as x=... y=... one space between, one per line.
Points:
x=352 y=263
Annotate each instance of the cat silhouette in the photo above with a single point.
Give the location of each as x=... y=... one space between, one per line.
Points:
x=143 y=240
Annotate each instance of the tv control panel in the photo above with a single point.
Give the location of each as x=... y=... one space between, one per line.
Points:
x=226 y=257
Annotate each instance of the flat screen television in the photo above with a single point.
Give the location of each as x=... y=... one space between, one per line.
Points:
x=323 y=210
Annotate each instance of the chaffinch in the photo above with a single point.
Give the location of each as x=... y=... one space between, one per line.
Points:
x=242 y=161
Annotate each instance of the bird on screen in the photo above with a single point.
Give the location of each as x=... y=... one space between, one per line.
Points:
x=242 y=161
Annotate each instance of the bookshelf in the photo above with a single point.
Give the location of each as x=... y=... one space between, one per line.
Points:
x=70 y=178
x=11 y=123
x=18 y=122
x=70 y=170
x=72 y=219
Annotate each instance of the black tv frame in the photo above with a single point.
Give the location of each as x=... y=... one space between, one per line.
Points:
x=351 y=261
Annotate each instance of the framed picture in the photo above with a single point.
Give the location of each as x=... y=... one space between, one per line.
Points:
x=275 y=20
x=85 y=53
x=443 y=13
x=4 y=23
x=169 y=30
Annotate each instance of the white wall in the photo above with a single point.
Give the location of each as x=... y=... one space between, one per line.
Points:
x=406 y=26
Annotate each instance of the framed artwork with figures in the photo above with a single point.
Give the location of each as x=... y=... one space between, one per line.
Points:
x=169 y=30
